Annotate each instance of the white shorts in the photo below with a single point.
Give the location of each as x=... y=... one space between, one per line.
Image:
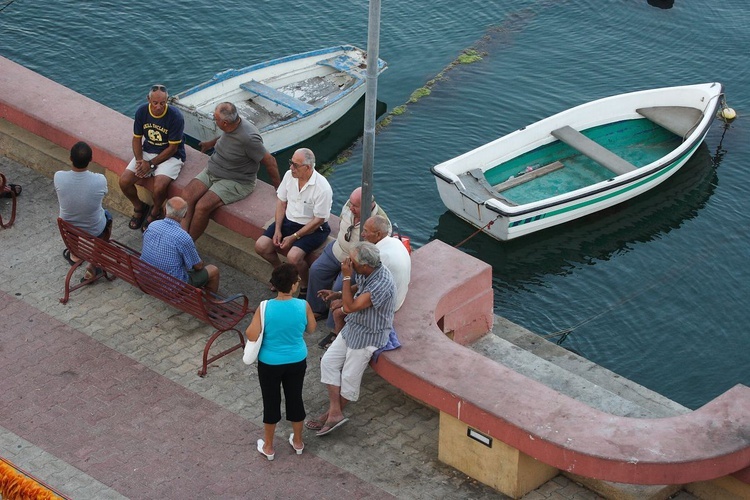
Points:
x=344 y=367
x=171 y=168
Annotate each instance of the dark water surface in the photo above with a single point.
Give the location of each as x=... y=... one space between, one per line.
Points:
x=654 y=289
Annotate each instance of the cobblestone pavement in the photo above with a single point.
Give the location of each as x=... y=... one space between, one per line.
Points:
x=101 y=397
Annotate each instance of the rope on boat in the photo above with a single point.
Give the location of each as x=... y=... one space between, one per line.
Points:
x=486 y=226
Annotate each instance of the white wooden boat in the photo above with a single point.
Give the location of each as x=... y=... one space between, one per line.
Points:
x=289 y=99
x=579 y=161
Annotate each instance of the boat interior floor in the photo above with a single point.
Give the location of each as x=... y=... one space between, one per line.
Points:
x=293 y=100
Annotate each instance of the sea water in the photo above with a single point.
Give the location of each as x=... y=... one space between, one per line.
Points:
x=654 y=289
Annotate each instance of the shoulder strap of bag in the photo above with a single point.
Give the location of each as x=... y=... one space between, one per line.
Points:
x=262 y=308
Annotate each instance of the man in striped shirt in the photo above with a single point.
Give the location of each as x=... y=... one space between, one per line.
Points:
x=370 y=305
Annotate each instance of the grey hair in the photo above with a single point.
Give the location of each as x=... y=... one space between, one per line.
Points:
x=381 y=224
x=309 y=156
x=151 y=92
x=176 y=213
x=228 y=112
x=367 y=254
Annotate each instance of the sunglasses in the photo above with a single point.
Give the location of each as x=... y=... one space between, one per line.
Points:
x=295 y=165
x=348 y=235
x=158 y=87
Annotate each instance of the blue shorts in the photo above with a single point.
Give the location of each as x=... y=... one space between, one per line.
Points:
x=307 y=243
x=104 y=235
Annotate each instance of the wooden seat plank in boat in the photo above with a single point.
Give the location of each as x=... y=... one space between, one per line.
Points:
x=270 y=93
x=679 y=120
x=528 y=176
x=343 y=63
x=478 y=189
x=593 y=150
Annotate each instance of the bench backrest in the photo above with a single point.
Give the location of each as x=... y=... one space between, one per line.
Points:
x=166 y=287
x=115 y=259
x=124 y=262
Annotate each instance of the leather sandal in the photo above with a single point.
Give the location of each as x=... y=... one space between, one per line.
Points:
x=10 y=190
x=139 y=216
x=151 y=218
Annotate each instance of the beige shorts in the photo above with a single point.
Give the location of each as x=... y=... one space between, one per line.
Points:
x=227 y=189
x=344 y=367
x=171 y=168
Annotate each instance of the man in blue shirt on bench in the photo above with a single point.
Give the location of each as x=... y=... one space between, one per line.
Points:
x=170 y=248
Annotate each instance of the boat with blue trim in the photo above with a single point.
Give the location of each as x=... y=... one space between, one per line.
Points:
x=289 y=99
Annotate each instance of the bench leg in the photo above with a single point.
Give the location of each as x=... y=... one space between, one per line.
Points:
x=69 y=289
x=72 y=270
x=6 y=225
x=216 y=335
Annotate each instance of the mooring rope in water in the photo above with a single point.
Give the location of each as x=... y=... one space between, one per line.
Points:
x=666 y=276
x=514 y=22
x=486 y=226
x=7 y=4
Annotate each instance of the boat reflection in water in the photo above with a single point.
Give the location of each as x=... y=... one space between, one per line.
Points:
x=594 y=237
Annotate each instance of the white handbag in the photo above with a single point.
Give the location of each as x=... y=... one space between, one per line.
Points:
x=252 y=348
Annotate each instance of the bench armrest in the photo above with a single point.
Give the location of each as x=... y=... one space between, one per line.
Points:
x=217 y=299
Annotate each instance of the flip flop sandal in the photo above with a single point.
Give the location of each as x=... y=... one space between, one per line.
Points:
x=139 y=216
x=66 y=255
x=12 y=188
x=314 y=425
x=89 y=275
x=330 y=427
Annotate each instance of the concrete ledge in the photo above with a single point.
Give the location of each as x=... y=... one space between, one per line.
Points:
x=708 y=443
x=53 y=112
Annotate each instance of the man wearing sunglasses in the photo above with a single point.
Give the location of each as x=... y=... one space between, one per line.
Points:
x=158 y=151
x=303 y=206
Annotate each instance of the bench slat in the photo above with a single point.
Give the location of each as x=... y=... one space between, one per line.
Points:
x=278 y=97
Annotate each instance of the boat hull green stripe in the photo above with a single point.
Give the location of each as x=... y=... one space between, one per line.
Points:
x=609 y=194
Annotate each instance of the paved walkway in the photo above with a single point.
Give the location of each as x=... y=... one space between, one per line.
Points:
x=101 y=399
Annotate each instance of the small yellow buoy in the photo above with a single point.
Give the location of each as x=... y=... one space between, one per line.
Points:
x=728 y=114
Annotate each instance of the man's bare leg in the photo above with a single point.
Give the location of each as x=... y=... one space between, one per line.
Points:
x=202 y=211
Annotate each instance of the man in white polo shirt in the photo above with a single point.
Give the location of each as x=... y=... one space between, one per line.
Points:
x=303 y=206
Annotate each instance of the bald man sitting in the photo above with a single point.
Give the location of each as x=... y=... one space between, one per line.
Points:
x=170 y=248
